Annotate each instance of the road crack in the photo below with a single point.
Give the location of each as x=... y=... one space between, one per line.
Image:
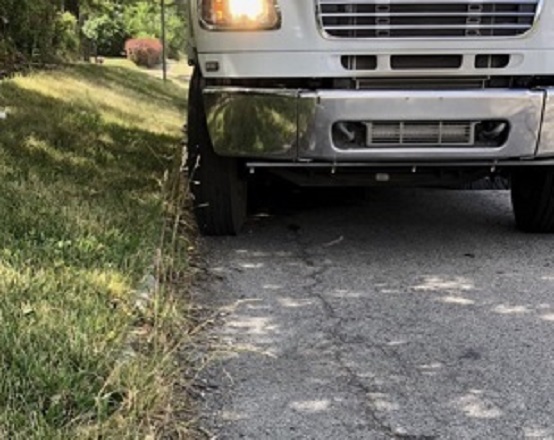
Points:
x=317 y=270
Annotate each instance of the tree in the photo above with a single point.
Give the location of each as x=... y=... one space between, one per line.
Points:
x=48 y=30
x=30 y=30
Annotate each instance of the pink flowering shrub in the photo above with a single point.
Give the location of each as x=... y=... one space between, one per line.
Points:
x=145 y=52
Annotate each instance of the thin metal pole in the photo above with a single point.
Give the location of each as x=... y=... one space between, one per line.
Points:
x=164 y=55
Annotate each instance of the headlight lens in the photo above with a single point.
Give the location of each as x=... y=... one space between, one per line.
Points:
x=240 y=14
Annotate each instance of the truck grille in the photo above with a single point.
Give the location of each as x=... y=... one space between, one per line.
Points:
x=349 y=135
x=431 y=133
x=427 y=19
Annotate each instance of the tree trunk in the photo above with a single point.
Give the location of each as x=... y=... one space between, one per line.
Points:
x=72 y=6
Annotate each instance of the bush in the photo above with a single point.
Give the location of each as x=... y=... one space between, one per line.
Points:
x=146 y=52
x=66 y=38
x=107 y=33
x=143 y=19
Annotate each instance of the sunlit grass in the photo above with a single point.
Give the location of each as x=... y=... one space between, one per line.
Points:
x=83 y=155
x=129 y=109
x=177 y=71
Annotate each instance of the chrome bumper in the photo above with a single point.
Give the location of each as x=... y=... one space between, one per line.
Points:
x=296 y=125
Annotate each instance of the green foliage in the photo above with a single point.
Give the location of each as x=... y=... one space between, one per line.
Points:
x=107 y=31
x=66 y=36
x=143 y=19
x=111 y=22
x=48 y=30
x=28 y=28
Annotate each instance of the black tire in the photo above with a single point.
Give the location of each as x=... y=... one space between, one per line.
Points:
x=533 y=199
x=218 y=187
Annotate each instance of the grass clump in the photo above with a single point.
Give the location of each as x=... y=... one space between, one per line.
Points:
x=83 y=155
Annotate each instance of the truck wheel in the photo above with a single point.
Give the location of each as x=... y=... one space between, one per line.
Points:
x=219 y=189
x=533 y=199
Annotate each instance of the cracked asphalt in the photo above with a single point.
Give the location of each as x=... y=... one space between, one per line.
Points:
x=388 y=314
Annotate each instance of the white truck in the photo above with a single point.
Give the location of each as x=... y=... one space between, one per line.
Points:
x=371 y=92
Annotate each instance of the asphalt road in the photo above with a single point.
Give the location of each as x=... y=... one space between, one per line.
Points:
x=397 y=314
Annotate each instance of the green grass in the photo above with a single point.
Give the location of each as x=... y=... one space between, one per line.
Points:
x=177 y=71
x=85 y=156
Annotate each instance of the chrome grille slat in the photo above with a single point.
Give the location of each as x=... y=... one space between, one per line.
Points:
x=430 y=2
x=428 y=19
x=430 y=14
x=444 y=26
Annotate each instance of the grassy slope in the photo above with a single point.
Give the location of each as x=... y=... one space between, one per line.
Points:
x=82 y=159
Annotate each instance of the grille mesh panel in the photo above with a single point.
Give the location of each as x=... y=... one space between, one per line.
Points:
x=428 y=19
x=428 y=133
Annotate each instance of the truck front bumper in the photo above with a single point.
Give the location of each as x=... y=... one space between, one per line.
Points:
x=298 y=125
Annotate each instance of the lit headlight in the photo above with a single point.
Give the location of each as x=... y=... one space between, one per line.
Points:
x=235 y=15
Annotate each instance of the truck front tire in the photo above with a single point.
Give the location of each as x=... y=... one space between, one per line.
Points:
x=219 y=189
x=533 y=199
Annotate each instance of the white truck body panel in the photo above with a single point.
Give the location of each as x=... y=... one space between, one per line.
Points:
x=300 y=48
